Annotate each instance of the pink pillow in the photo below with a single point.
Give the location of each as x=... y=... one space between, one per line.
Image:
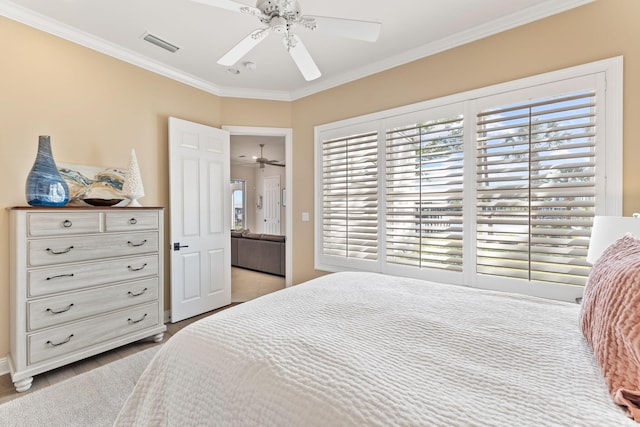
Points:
x=610 y=320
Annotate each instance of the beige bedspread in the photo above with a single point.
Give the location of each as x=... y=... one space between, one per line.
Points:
x=356 y=349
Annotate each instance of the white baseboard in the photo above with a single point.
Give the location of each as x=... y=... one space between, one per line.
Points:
x=4 y=366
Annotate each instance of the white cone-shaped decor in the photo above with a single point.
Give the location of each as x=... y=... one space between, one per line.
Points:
x=132 y=187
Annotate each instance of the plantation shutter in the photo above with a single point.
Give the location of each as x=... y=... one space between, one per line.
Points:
x=424 y=192
x=536 y=188
x=350 y=196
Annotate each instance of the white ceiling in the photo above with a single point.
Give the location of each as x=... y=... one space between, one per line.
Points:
x=245 y=147
x=411 y=29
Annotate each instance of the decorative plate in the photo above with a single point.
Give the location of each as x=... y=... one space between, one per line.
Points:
x=102 y=202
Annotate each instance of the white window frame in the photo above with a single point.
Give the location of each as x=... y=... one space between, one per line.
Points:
x=609 y=186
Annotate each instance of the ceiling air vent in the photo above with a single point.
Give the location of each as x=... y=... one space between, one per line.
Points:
x=160 y=43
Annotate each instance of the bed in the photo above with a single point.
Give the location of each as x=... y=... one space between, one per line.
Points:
x=355 y=349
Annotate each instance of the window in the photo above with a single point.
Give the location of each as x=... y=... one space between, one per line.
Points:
x=536 y=188
x=350 y=196
x=238 y=205
x=494 y=188
x=424 y=192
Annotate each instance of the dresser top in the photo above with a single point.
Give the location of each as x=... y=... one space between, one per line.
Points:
x=71 y=208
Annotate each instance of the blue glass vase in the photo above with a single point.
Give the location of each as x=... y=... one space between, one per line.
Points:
x=45 y=186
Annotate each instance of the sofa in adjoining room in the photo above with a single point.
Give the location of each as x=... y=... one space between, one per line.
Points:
x=260 y=252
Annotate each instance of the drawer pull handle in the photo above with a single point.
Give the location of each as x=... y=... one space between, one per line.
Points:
x=67 y=308
x=133 y=221
x=137 y=321
x=130 y=243
x=51 y=251
x=67 y=223
x=53 y=344
x=59 y=276
x=136 y=269
x=138 y=294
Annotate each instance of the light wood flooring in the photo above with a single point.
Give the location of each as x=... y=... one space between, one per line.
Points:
x=245 y=285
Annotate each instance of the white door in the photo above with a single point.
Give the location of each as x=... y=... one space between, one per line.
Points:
x=271 y=205
x=200 y=220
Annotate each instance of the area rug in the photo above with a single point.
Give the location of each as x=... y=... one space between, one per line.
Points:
x=93 y=398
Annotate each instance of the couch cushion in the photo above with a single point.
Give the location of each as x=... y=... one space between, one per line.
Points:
x=273 y=238
x=254 y=236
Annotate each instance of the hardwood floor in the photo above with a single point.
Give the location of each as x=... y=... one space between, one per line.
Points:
x=245 y=285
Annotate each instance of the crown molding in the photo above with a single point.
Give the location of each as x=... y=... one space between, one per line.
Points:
x=542 y=10
x=534 y=13
x=268 y=95
x=48 y=25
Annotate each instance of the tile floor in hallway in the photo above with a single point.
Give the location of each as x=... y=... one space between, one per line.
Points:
x=245 y=285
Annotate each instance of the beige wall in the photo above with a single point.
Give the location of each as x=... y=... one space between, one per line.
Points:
x=599 y=30
x=97 y=108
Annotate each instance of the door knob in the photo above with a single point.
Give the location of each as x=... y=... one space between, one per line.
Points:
x=177 y=246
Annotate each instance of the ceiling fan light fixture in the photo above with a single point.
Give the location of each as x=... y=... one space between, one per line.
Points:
x=278 y=24
x=281 y=16
x=160 y=43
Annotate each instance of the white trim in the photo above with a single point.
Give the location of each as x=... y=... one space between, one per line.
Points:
x=469 y=248
x=537 y=12
x=614 y=132
x=612 y=66
x=46 y=24
x=287 y=133
x=610 y=69
x=269 y=95
x=4 y=366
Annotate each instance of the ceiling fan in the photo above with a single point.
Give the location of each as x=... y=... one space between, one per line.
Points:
x=263 y=161
x=281 y=16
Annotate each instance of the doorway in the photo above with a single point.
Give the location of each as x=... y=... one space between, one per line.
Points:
x=238 y=205
x=269 y=133
x=200 y=258
x=272 y=205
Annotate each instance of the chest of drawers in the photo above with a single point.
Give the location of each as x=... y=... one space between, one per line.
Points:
x=83 y=281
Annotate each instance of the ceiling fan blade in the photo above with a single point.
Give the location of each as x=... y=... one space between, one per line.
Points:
x=232 y=6
x=360 y=30
x=301 y=57
x=243 y=47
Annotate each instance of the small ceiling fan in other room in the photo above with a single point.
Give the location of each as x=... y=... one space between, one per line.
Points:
x=281 y=16
x=264 y=161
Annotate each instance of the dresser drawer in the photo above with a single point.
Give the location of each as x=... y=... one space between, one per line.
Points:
x=82 y=281
x=85 y=248
x=61 y=224
x=131 y=221
x=68 y=338
x=53 y=311
x=71 y=277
